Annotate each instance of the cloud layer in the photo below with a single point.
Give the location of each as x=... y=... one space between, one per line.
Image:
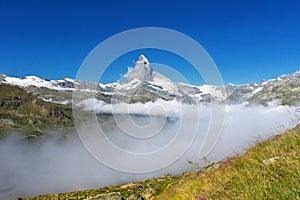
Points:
x=54 y=163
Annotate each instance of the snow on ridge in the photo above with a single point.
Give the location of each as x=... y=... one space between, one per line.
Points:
x=142 y=59
x=34 y=81
x=257 y=90
x=71 y=80
x=215 y=91
x=128 y=86
x=28 y=80
x=164 y=83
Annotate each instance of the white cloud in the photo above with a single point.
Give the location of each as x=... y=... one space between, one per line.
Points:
x=53 y=164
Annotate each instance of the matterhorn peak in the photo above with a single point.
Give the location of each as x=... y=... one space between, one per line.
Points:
x=142 y=70
x=142 y=59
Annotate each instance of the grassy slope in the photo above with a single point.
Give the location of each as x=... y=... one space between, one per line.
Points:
x=147 y=188
x=249 y=176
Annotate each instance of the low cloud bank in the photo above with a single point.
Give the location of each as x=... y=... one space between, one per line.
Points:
x=157 y=108
x=53 y=163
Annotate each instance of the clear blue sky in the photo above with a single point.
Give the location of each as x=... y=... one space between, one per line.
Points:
x=249 y=40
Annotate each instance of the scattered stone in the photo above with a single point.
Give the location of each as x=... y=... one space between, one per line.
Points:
x=148 y=193
x=131 y=185
x=7 y=122
x=135 y=197
x=270 y=160
x=109 y=196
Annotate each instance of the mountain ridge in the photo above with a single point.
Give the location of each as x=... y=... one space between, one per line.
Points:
x=144 y=84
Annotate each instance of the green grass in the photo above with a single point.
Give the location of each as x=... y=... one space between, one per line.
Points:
x=147 y=188
x=268 y=170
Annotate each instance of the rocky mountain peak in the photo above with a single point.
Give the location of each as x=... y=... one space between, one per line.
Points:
x=141 y=71
x=2 y=77
x=142 y=59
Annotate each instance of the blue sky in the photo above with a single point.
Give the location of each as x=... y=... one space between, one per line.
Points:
x=248 y=40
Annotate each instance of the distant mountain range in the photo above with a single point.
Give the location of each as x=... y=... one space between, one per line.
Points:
x=144 y=84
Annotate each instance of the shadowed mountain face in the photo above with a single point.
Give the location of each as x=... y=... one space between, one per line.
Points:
x=143 y=84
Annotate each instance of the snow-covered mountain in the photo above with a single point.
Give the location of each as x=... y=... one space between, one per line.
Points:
x=144 y=84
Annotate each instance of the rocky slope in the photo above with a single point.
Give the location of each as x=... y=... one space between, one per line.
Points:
x=20 y=109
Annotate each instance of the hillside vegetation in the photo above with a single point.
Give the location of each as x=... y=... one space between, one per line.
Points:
x=268 y=170
x=22 y=110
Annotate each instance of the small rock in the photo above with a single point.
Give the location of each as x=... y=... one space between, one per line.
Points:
x=148 y=193
x=109 y=196
x=270 y=160
x=131 y=185
x=135 y=197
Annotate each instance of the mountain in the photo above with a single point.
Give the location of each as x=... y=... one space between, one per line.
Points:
x=22 y=110
x=144 y=84
x=285 y=88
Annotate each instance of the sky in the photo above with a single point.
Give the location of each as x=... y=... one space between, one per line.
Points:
x=249 y=40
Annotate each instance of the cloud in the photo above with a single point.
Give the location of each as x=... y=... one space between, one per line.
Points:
x=157 y=108
x=65 y=102
x=54 y=163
